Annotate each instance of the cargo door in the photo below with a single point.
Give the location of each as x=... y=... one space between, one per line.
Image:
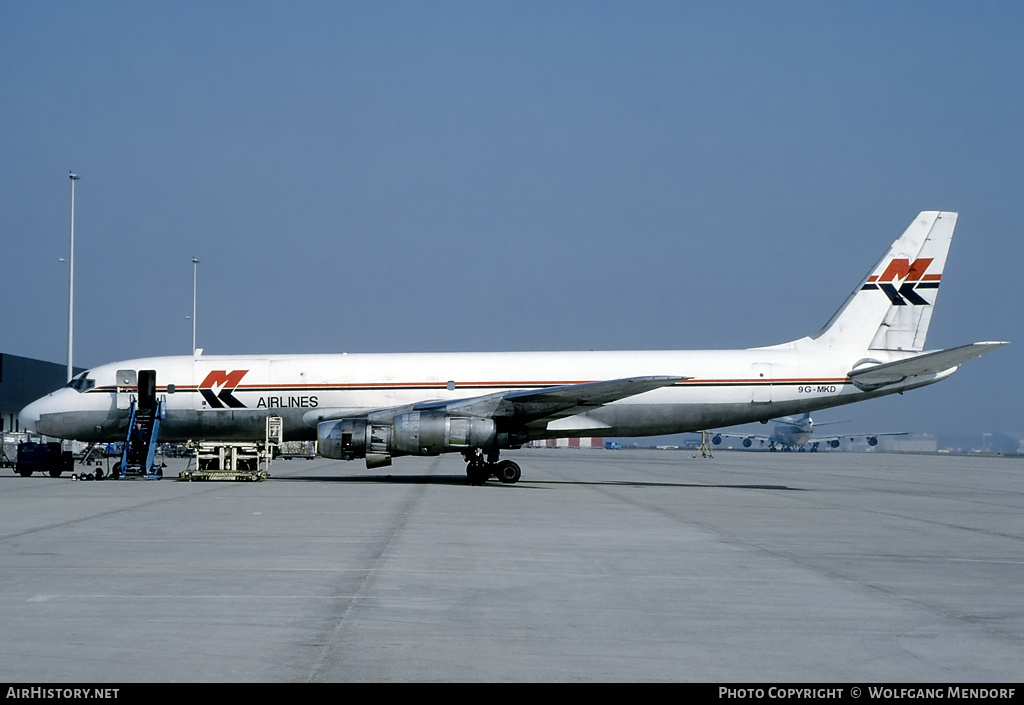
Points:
x=127 y=383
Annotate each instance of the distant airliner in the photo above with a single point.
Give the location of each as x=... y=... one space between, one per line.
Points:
x=797 y=433
x=377 y=406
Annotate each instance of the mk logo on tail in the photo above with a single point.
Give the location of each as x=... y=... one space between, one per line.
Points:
x=226 y=383
x=912 y=276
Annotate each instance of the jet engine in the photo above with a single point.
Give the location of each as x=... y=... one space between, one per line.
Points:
x=408 y=433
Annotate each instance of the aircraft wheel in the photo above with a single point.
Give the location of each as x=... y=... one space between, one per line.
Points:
x=116 y=471
x=508 y=472
x=55 y=473
x=24 y=473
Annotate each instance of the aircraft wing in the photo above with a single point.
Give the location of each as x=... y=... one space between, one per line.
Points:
x=748 y=439
x=523 y=405
x=312 y=418
x=551 y=403
x=869 y=436
x=877 y=376
x=763 y=439
x=854 y=436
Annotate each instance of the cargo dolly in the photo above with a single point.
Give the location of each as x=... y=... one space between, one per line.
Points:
x=227 y=461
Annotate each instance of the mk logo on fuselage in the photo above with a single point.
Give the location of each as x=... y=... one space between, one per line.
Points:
x=218 y=386
x=913 y=277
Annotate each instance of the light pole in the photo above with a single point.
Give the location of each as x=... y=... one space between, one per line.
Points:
x=195 y=272
x=71 y=281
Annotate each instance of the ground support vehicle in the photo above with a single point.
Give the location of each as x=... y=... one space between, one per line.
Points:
x=43 y=457
x=246 y=461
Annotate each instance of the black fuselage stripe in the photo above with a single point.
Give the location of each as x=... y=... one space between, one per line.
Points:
x=293 y=391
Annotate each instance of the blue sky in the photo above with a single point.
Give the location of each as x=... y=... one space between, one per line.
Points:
x=404 y=176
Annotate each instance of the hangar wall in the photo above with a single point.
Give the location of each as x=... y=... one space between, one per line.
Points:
x=22 y=381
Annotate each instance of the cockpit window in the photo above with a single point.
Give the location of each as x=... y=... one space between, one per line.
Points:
x=81 y=383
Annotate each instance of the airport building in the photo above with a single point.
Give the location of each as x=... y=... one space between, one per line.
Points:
x=917 y=443
x=586 y=442
x=22 y=381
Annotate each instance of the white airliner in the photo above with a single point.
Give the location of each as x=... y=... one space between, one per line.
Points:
x=377 y=406
x=797 y=433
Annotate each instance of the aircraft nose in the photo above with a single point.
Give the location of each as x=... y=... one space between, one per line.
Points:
x=28 y=418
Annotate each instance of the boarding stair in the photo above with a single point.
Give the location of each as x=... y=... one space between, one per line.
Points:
x=138 y=456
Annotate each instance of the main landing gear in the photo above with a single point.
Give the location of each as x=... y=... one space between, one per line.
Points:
x=479 y=469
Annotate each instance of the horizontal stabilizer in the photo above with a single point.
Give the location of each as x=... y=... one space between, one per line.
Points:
x=877 y=376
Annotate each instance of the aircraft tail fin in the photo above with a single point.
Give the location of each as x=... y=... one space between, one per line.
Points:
x=892 y=307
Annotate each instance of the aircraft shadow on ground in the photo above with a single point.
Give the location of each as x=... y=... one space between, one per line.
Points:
x=382 y=479
x=524 y=484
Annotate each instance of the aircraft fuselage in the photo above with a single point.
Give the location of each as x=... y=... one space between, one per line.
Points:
x=228 y=397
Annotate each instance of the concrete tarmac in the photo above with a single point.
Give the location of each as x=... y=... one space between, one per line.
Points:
x=597 y=566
